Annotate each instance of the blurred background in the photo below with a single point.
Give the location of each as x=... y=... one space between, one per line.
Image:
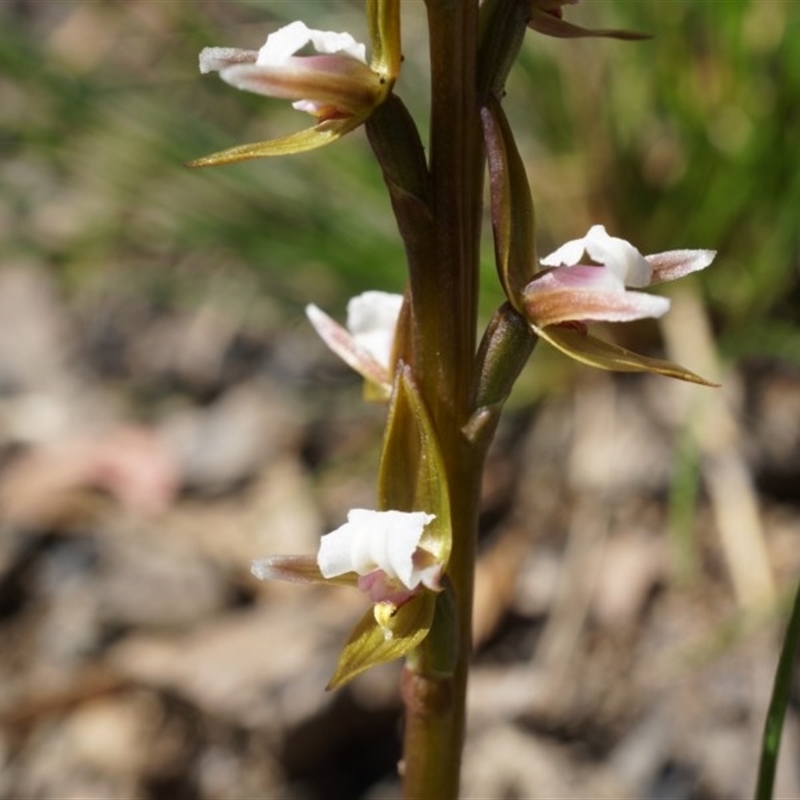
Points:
x=167 y=415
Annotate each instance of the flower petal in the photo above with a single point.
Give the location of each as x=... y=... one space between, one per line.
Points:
x=382 y=589
x=677 y=263
x=582 y=294
x=372 y=319
x=353 y=353
x=618 y=255
x=290 y=39
x=370 y=540
x=568 y=255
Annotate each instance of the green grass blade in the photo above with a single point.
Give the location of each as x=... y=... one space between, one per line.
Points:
x=781 y=690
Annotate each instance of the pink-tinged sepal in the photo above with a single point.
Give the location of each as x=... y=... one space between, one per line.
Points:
x=327 y=87
x=586 y=294
x=216 y=59
x=296 y=569
x=512 y=207
x=546 y=17
x=676 y=263
x=382 y=589
x=369 y=342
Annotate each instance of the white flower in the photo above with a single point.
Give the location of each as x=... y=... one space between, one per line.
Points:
x=333 y=82
x=384 y=548
x=390 y=556
x=367 y=343
x=590 y=275
x=323 y=73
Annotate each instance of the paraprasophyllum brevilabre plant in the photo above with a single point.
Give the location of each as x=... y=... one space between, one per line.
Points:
x=413 y=556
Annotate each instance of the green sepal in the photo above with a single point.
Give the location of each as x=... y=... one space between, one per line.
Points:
x=383 y=19
x=439 y=657
x=597 y=353
x=401 y=347
x=396 y=142
x=512 y=206
x=503 y=352
x=501 y=32
x=395 y=139
x=372 y=643
x=300 y=142
x=412 y=475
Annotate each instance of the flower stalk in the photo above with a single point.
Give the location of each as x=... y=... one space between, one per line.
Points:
x=443 y=353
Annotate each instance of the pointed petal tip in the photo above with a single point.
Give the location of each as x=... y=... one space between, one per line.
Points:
x=263 y=570
x=603 y=355
x=352 y=349
x=300 y=142
x=315 y=315
x=673 y=264
x=214 y=59
x=295 y=569
x=552 y=25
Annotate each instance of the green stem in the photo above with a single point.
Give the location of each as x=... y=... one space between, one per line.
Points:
x=444 y=287
x=438 y=210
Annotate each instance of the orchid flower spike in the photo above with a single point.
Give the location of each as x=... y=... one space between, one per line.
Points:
x=367 y=344
x=587 y=280
x=334 y=83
